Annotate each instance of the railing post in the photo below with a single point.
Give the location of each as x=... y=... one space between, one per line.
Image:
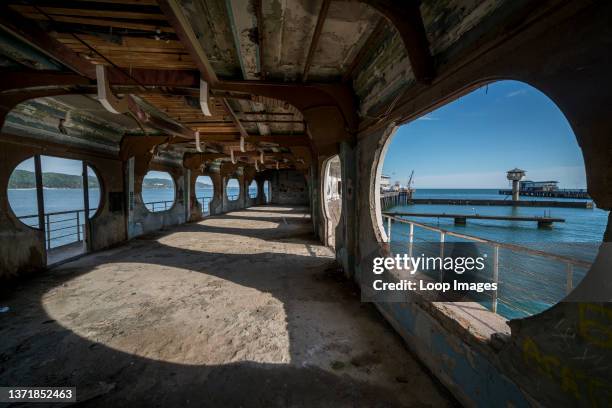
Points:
x=442 y=237
x=410 y=240
x=495 y=277
x=389 y=229
x=78 y=226
x=569 y=284
x=48 y=230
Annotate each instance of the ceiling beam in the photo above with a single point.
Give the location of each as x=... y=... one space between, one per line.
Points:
x=258 y=4
x=32 y=34
x=405 y=15
x=314 y=42
x=241 y=128
x=182 y=28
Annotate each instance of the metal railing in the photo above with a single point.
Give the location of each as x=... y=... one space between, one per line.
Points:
x=61 y=227
x=233 y=197
x=570 y=263
x=155 y=206
x=205 y=204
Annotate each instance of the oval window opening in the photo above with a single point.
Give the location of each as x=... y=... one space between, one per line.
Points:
x=267 y=191
x=94 y=192
x=332 y=197
x=253 y=189
x=232 y=190
x=158 y=191
x=500 y=165
x=204 y=193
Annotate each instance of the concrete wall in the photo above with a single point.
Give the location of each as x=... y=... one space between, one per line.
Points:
x=141 y=220
x=289 y=188
x=561 y=356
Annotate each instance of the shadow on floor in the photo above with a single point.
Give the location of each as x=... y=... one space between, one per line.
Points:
x=340 y=353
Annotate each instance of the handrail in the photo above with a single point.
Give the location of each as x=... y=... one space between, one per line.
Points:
x=513 y=247
x=569 y=262
x=76 y=223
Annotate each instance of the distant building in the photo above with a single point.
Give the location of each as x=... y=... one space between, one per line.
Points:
x=528 y=185
x=385 y=183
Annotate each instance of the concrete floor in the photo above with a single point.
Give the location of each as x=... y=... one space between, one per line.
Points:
x=244 y=309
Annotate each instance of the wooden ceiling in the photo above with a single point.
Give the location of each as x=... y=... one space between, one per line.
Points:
x=130 y=34
x=135 y=34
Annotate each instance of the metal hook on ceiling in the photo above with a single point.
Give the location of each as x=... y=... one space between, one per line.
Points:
x=204 y=98
x=232 y=156
x=197 y=142
x=105 y=95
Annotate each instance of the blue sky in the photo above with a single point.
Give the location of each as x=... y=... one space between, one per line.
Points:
x=473 y=141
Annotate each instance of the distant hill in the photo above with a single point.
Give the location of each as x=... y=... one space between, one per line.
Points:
x=26 y=179
x=203 y=185
x=160 y=183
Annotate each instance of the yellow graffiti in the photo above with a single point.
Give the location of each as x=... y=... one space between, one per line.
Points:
x=572 y=381
x=595 y=324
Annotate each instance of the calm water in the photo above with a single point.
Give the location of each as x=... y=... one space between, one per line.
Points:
x=529 y=284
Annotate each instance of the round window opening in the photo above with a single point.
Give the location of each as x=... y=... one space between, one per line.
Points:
x=204 y=193
x=65 y=200
x=158 y=191
x=475 y=167
x=253 y=189
x=232 y=190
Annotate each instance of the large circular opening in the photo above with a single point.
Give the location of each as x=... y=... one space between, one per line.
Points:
x=232 y=189
x=498 y=171
x=158 y=191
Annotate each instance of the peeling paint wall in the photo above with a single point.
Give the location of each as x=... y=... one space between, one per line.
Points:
x=143 y=221
x=289 y=188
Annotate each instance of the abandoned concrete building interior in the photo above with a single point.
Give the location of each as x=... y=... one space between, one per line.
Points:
x=253 y=299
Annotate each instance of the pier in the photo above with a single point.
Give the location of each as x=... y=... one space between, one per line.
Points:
x=461 y=219
x=581 y=194
x=510 y=203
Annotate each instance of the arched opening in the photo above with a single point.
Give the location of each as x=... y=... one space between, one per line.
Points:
x=232 y=189
x=253 y=189
x=158 y=191
x=204 y=189
x=267 y=191
x=447 y=177
x=332 y=198
x=56 y=195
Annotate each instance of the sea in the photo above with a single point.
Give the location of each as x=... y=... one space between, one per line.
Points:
x=528 y=284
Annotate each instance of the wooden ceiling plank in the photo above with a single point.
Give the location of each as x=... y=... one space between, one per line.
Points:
x=61 y=11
